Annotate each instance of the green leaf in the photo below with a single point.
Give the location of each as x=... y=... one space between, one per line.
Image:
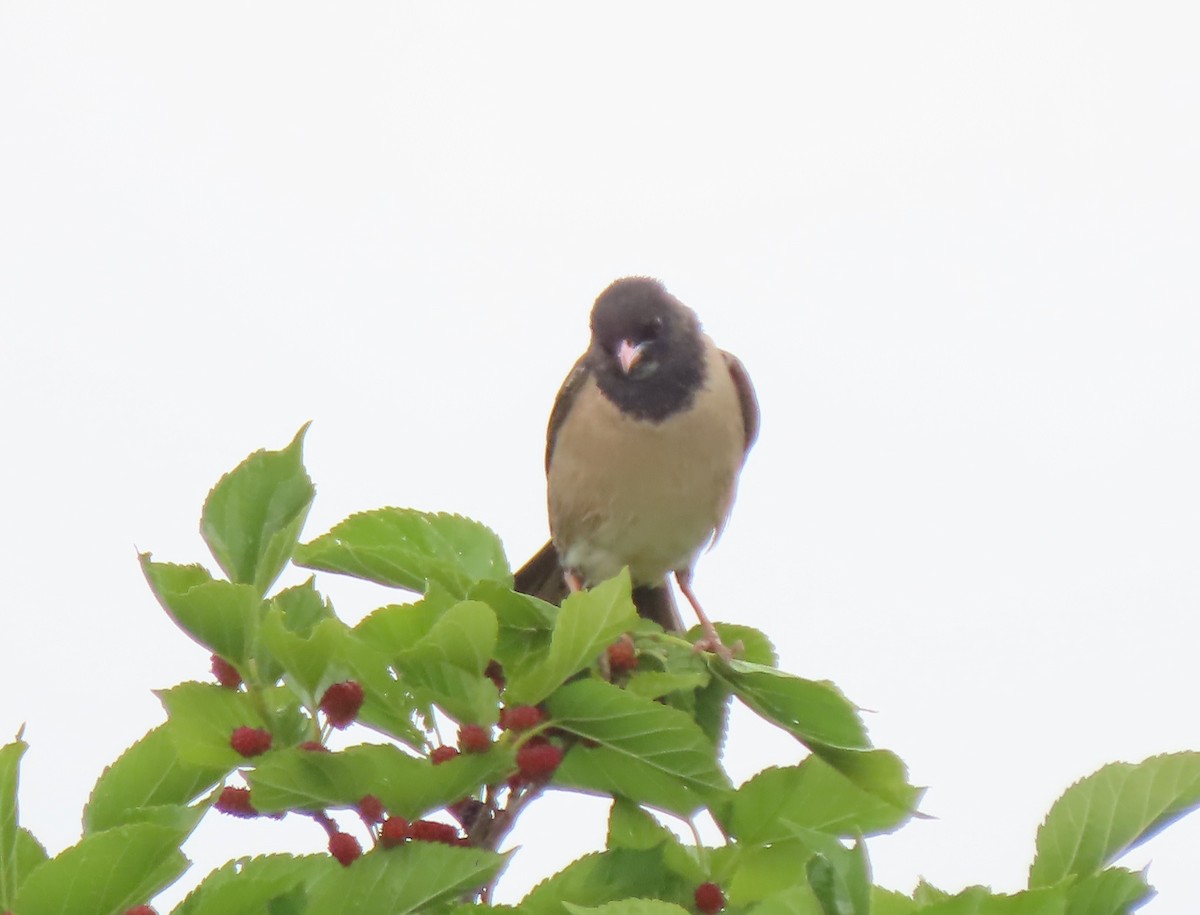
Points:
x=464 y=636
x=890 y=902
x=253 y=516
x=10 y=762
x=219 y=615
x=796 y=900
x=302 y=606
x=606 y=877
x=812 y=795
x=108 y=871
x=248 y=885
x=628 y=907
x=409 y=549
x=30 y=854
x=629 y=826
x=411 y=878
x=588 y=622
x=149 y=774
x=841 y=881
x=410 y=787
x=978 y=900
x=463 y=696
x=648 y=752
x=397 y=627
x=202 y=718
x=1113 y=891
x=766 y=872
x=823 y=720
x=526 y=624
x=1108 y=813
x=306 y=659
x=812 y=711
x=388 y=705
x=654 y=684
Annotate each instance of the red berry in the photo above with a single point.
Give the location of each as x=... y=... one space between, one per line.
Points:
x=495 y=673
x=430 y=831
x=344 y=847
x=709 y=898
x=250 y=741
x=370 y=808
x=538 y=761
x=227 y=675
x=521 y=717
x=442 y=754
x=393 y=832
x=341 y=703
x=314 y=746
x=622 y=655
x=236 y=802
x=141 y=910
x=474 y=739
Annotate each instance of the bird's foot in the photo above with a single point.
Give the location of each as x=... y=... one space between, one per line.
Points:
x=710 y=641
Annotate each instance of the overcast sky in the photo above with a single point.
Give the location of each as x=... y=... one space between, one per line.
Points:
x=956 y=246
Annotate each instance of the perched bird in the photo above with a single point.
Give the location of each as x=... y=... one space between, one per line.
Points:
x=645 y=444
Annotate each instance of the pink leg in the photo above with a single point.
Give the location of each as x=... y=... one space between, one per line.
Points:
x=711 y=641
x=574 y=582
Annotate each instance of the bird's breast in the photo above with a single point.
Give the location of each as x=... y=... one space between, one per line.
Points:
x=644 y=494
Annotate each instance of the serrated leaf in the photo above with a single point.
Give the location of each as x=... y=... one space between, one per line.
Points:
x=822 y=719
x=464 y=696
x=409 y=549
x=388 y=705
x=30 y=853
x=306 y=659
x=647 y=752
x=10 y=763
x=464 y=636
x=978 y=900
x=302 y=606
x=765 y=872
x=397 y=627
x=253 y=516
x=1106 y=814
x=410 y=878
x=841 y=880
x=654 y=684
x=1113 y=891
x=629 y=826
x=526 y=624
x=811 y=795
x=220 y=616
x=248 y=885
x=108 y=871
x=605 y=877
x=588 y=622
x=796 y=900
x=149 y=774
x=628 y=907
x=890 y=902
x=410 y=787
x=202 y=718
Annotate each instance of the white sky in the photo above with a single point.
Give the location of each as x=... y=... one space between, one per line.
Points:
x=955 y=245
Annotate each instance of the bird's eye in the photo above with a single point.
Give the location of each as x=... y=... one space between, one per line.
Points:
x=651 y=329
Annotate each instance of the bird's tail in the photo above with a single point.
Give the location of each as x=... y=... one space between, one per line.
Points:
x=542 y=577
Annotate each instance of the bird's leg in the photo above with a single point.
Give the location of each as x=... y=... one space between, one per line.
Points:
x=711 y=641
x=573 y=580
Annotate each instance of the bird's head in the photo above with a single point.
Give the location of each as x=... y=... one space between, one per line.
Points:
x=647 y=349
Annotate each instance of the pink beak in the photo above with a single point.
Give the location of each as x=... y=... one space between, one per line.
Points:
x=628 y=354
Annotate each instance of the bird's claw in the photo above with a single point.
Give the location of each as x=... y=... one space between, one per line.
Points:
x=712 y=642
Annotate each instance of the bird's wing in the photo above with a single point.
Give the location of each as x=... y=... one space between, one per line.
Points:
x=575 y=381
x=746 y=396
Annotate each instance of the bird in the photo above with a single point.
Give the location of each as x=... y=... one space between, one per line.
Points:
x=646 y=441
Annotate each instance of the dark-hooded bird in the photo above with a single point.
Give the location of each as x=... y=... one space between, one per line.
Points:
x=646 y=440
